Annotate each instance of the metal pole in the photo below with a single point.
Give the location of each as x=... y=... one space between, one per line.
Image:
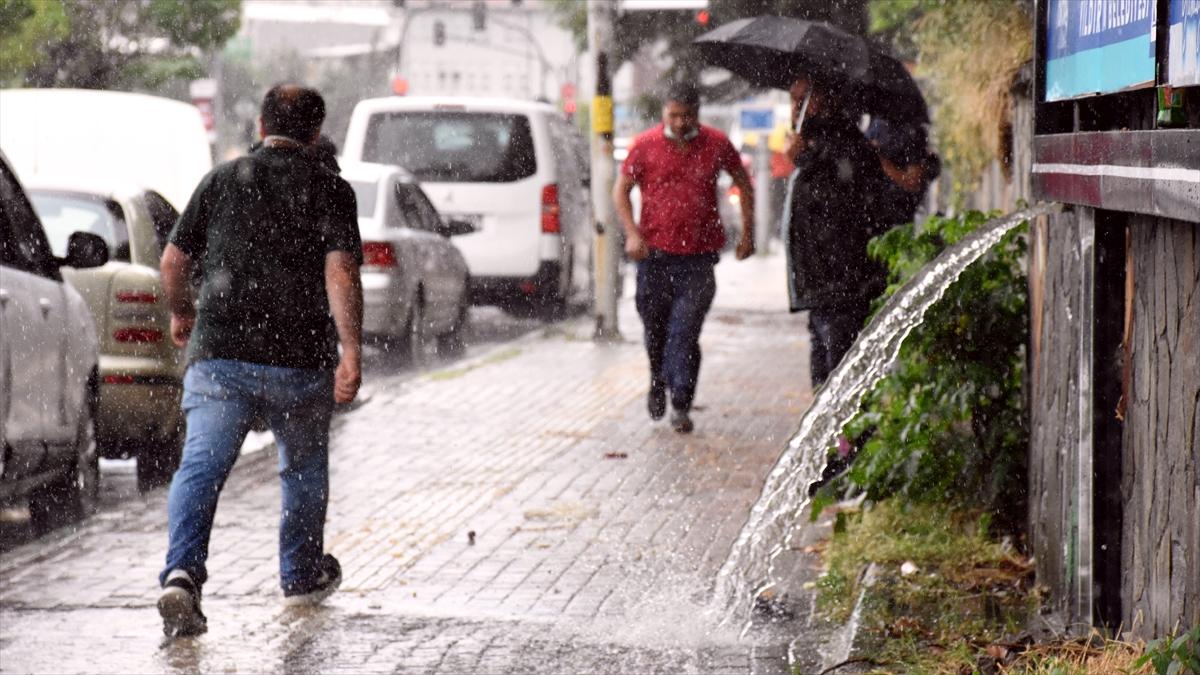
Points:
x=607 y=248
x=762 y=195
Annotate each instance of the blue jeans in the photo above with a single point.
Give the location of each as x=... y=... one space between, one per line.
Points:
x=221 y=400
x=674 y=294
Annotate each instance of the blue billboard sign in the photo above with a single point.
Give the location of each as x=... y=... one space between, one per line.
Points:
x=1183 y=43
x=757 y=119
x=1098 y=46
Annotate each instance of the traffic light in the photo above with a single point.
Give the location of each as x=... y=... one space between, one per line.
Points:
x=479 y=15
x=439 y=33
x=703 y=17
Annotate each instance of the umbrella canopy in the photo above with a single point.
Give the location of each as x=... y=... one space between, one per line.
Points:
x=889 y=90
x=772 y=51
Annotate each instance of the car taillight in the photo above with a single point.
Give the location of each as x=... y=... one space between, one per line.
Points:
x=118 y=379
x=138 y=297
x=137 y=335
x=550 y=223
x=378 y=254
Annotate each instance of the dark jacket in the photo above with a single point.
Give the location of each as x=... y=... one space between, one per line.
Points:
x=837 y=204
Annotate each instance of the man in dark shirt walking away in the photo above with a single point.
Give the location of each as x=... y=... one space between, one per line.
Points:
x=276 y=238
x=677 y=242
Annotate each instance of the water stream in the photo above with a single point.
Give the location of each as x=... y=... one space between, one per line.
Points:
x=749 y=569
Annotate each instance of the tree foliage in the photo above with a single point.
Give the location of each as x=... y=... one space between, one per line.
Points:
x=948 y=423
x=109 y=45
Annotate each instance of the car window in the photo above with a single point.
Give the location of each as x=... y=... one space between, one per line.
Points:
x=23 y=244
x=565 y=151
x=410 y=208
x=366 y=194
x=429 y=213
x=448 y=146
x=162 y=214
x=63 y=213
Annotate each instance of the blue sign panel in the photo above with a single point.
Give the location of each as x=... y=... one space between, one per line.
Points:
x=1183 y=43
x=1098 y=46
x=757 y=119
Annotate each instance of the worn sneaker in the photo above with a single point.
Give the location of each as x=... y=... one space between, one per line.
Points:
x=179 y=606
x=314 y=592
x=680 y=421
x=656 y=401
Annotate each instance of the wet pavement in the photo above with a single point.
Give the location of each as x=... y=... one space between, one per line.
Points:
x=488 y=327
x=514 y=511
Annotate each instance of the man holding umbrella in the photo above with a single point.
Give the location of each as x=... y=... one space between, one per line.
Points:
x=840 y=196
x=677 y=242
x=839 y=201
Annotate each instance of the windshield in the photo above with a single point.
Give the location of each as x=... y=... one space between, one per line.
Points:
x=453 y=147
x=64 y=213
x=365 y=193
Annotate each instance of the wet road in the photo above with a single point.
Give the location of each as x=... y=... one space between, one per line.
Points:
x=118 y=484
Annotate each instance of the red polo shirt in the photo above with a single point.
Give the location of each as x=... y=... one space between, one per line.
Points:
x=679 y=189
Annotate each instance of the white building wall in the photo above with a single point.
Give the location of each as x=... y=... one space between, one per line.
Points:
x=522 y=52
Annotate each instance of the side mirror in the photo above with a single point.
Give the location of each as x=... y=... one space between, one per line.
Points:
x=85 y=250
x=454 y=228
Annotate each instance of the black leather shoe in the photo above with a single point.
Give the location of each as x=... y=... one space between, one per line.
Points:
x=656 y=401
x=680 y=421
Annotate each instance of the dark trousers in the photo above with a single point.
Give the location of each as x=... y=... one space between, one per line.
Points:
x=833 y=330
x=674 y=294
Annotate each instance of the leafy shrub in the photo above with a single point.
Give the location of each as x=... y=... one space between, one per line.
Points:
x=1174 y=654
x=948 y=424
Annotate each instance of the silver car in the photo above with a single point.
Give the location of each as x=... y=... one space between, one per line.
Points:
x=141 y=369
x=48 y=358
x=415 y=281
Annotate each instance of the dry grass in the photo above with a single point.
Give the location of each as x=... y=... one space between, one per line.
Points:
x=1091 y=657
x=970 y=51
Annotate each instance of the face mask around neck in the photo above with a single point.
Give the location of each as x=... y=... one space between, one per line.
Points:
x=691 y=133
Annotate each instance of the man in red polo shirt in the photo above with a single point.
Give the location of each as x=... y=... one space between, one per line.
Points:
x=677 y=242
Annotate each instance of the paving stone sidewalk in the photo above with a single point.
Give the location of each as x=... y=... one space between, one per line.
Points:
x=516 y=512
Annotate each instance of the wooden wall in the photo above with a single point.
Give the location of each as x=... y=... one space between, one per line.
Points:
x=1054 y=277
x=1120 y=543
x=1161 y=479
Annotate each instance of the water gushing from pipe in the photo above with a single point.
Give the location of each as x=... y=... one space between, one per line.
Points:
x=749 y=569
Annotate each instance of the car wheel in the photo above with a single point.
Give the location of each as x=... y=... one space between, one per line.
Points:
x=75 y=494
x=555 y=307
x=157 y=461
x=552 y=308
x=421 y=344
x=454 y=342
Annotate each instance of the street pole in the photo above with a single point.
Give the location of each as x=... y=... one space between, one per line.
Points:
x=762 y=195
x=607 y=246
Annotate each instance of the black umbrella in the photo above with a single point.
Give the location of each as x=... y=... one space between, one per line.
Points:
x=889 y=90
x=772 y=51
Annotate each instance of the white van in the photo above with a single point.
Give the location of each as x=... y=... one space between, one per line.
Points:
x=65 y=135
x=516 y=170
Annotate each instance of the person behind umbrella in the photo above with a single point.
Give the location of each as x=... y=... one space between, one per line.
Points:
x=837 y=203
x=677 y=242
